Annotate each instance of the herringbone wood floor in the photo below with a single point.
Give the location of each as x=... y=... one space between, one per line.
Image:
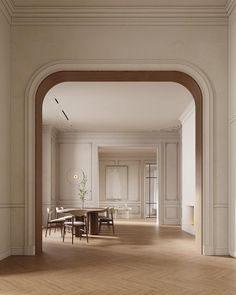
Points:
x=140 y=259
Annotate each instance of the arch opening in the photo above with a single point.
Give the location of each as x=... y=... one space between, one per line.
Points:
x=118 y=76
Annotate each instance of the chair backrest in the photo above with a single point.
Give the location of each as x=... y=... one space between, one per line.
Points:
x=111 y=211
x=50 y=212
x=79 y=213
x=58 y=211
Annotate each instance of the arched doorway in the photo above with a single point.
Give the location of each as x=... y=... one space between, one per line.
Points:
x=117 y=76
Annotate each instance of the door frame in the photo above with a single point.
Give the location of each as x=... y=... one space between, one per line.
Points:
x=118 y=76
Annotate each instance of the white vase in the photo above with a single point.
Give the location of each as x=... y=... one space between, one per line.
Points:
x=82 y=204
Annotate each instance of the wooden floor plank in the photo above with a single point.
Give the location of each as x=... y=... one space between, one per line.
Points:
x=141 y=259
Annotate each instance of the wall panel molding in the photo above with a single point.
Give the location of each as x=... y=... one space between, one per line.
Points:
x=171 y=215
x=12 y=205
x=6 y=8
x=220 y=205
x=171 y=173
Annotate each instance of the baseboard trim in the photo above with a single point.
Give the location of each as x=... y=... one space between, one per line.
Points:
x=222 y=251
x=17 y=251
x=232 y=254
x=188 y=229
x=29 y=250
x=210 y=251
x=5 y=254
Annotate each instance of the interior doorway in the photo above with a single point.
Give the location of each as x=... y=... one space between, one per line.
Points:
x=59 y=77
x=151 y=191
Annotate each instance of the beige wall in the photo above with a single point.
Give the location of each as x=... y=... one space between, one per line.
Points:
x=5 y=124
x=203 y=46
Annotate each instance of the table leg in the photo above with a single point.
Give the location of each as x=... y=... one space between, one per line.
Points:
x=93 y=223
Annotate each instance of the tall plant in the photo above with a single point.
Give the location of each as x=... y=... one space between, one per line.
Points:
x=82 y=188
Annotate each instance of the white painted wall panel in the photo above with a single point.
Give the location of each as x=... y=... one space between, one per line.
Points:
x=102 y=178
x=47 y=167
x=171 y=172
x=55 y=170
x=116 y=183
x=73 y=159
x=170 y=178
x=232 y=135
x=132 y=199
x=5 y=135
x=5 y=241
x=188 y=169
x=17 y=239
x=133 y=179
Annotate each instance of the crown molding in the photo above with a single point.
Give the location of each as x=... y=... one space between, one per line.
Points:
x=119 y=15
x=130 y=15
x=119 y=138
x=6 y=7
x=230 y=6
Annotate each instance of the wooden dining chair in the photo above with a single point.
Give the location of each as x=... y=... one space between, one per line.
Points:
x=53 y=222
x=108 y=219
x=62 y=215
x=77 y=226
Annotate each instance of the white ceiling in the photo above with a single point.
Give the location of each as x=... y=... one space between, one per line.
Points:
x=115 y=106
x=97 y=3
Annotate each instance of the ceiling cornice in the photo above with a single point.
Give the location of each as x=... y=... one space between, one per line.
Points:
x=7 y=9
x=230 y=6
x=120 y=15
x=130 y=15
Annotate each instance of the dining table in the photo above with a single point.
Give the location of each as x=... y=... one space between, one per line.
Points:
x=92 y=214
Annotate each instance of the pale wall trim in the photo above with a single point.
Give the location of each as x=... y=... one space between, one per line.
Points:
x=210 y=251
x=189 y=110
x=149 y=139
x=8 y=205
x=232 y=120
x=17 y=251
x=108 y=15
x=188 y=228
x=230 y=6
x=223 y=205
x=5 y=8
x=232 y=13
x=5 y=253
x=221 y=251
x=232 y=253
x=129 y=15
x=148 y=64
x=29 y=250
